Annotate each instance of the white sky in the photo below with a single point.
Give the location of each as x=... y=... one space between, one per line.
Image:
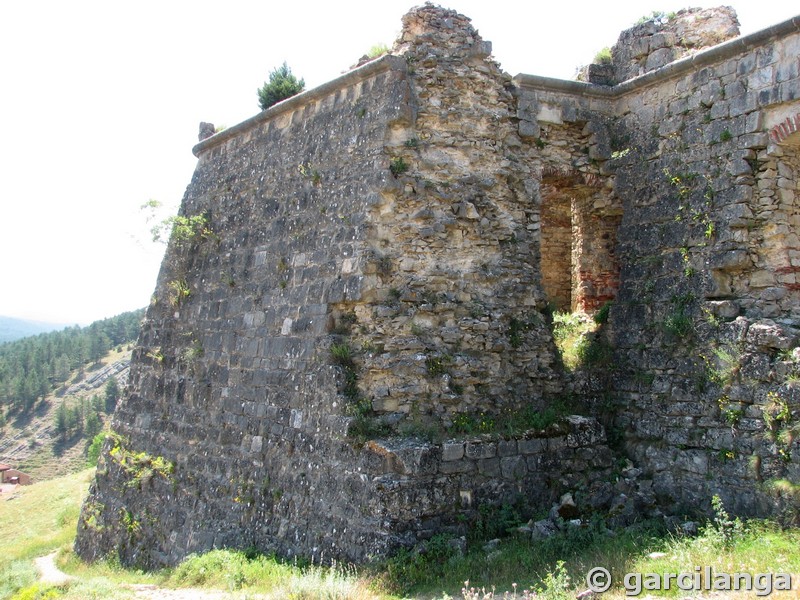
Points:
x=101 y=103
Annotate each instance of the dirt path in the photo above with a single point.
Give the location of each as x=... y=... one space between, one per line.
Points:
x=50 y=573
x=153 y=592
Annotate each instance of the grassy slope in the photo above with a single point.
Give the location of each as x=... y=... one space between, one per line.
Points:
x=40 y=518
x=35 y=520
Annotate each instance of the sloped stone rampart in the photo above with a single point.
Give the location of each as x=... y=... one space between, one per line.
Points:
x=232 y=381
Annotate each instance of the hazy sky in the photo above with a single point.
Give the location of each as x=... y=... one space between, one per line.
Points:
x=102 y=100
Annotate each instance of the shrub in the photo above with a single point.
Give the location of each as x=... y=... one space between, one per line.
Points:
x=93 y=453
x=601 y=316
x=398 y=166
x=603 y=57
x=529 y=417
x=282 y=84
x=378 y=50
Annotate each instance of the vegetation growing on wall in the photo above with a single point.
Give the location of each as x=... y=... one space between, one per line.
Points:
x=378 y=50
x=603 y=57
x=282 y=84
x=139 y=467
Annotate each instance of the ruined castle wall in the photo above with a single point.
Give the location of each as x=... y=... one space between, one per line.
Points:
x=701 y=209
x=567 y=130
x=708 y=251
x=233 y=382
x=364 y=285
x=361 y=269
x=661 y=40
x=464 y=334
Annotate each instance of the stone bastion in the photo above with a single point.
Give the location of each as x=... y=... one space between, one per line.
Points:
x=353 y=350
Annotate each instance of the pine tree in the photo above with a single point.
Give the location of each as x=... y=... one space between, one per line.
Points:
x=111 y=394
x=282 y=84
x=98 y=405
x=93 y=424
x=61 y=371
x=62 y=420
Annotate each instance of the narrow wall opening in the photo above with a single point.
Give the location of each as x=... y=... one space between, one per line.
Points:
x=777 y=276
x=579 y=266
x=556 y=244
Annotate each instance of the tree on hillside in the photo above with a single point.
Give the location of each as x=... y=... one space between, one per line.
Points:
x=281 y=85
x=61 y=371
x=31 y=367
x=111 y=394
x=99 y=344
x=75 y=417
x=98 y=404
x=92 y=422
x=61 y=420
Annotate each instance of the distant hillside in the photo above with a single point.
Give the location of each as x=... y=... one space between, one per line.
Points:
x=52 y=438
x=58 y=389
x=32 y=367
x=14 y=329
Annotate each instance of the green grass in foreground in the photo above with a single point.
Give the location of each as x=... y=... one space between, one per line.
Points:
x=36 y=520
x=554 y=567
x=40 y=518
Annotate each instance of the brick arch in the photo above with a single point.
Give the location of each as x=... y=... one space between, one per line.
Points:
x=787 y=132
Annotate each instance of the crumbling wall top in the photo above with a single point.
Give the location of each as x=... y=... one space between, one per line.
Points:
x=433 y=31
x=663 y=39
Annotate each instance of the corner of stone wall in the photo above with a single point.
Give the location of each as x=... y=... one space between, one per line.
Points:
x=458 y=309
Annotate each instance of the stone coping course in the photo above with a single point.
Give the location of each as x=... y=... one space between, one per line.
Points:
x=676 y=68
x=387 y=62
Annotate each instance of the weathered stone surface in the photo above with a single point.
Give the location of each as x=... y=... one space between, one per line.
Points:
x=383 y=254
x=657 y=42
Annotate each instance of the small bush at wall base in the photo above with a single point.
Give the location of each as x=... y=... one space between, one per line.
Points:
x=472 y=423
x=495 y=521
x=787 y=498
x=531 y=418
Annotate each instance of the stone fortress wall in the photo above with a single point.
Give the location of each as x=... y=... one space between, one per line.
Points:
x=378 y=266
